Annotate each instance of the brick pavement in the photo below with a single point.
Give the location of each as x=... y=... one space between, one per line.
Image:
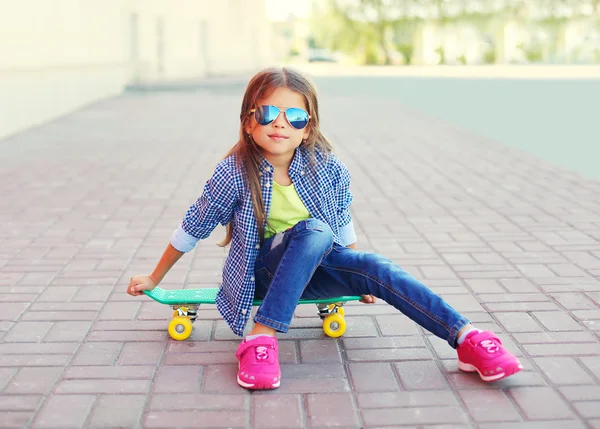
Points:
x=91 y=199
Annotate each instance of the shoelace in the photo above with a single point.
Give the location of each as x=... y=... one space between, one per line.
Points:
x=261 y=353
x=490 y=346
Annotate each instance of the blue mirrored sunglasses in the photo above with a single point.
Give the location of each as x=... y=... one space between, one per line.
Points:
x=296 y=117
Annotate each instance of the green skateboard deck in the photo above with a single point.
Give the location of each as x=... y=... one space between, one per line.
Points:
x=186 y=302
x=208 y=296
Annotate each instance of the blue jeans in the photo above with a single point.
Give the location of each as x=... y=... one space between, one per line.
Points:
x=304 y=262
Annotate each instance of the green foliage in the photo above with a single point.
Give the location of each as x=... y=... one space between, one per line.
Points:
x=489 y=56
x=407 y=51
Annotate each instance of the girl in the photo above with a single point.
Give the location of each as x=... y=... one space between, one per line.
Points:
x=285 y=197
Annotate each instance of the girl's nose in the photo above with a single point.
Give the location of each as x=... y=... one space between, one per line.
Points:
x=280 y=121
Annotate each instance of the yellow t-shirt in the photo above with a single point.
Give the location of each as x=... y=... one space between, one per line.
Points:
x=287 y=209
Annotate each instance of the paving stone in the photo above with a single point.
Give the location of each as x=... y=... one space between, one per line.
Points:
x=489 y=406
x=540 y=403
x=281 y=411
x=372 y=377
x=333 y=409
x=33 y=380
x=117 y=411
x=64 y=411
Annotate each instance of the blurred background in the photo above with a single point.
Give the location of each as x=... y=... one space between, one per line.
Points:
x=434 y=32
x=60 y=55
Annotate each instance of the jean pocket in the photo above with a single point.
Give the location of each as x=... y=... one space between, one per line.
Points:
x=263 y=278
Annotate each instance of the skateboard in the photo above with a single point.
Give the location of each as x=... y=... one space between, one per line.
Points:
x=185 y=303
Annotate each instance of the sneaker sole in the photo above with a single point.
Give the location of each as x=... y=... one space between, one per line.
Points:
x=258 y=386
x=513 y=369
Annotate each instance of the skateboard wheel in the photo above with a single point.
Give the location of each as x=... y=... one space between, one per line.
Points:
x=180 y=328
x=334 y=325
x=341 y=312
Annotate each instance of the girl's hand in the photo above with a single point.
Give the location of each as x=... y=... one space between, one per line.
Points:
x=368 y=299
x=138 y=284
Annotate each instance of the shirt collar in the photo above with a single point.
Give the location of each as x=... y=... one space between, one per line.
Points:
x=296 y=167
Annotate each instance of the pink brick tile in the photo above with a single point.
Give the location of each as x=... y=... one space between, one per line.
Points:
x=331 y=410
x=315 y=351
x=420 y=375
x=34 y=360
x=68 y=331
x=19 y=402
x=198 y=401
x=414 y=416
x=406 y=399
x=393 y=355
x=117 y=411
x=179 y=379
x=373 y=377
x=96 y=386
x=15 y=419
x=277 y=411
x=98 y=354
x=111 y=372
x=222 y=379
x=563 y=370
x=141 y=353
x=489 y=406
x=33 y=380
x=197 y=419
x=12 y=311
x=64 y=411
x=119 y=311
x=35 y=348
x=199 y=358
x=128 y=336
x=540 y=403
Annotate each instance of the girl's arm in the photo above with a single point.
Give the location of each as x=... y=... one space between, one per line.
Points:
x=214 y=206
x=138 y=284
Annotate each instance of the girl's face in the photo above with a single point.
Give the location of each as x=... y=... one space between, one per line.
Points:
x=278 y=140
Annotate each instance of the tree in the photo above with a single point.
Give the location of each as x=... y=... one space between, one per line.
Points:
x=367 y=25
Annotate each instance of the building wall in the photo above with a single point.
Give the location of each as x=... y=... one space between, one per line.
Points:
x=62 y=54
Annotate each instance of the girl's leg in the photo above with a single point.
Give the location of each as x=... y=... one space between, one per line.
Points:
x=348 y=272
x=285 y=266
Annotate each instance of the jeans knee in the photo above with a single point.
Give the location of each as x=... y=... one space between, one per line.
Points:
x=320 y=235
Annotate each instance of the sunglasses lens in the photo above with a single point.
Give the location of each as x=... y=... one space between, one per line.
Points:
x=297 y=118
x=264 y=115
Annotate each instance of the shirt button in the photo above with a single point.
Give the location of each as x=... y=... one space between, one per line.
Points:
x=252 y=278
x=257 y=246
x=244 y=311
x=302 y=173
x=268 y=185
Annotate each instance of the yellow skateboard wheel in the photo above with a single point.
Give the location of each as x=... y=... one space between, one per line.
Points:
x=334 y=325
x=180 y=328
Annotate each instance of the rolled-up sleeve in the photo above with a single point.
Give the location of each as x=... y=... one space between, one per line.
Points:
x=215 y=206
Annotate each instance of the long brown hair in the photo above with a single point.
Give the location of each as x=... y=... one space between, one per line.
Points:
x=246 y=150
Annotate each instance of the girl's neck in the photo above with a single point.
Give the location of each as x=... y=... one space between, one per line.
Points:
x=279 y=163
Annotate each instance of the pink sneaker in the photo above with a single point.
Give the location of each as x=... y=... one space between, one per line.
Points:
x=483 y=352
x=259 y=363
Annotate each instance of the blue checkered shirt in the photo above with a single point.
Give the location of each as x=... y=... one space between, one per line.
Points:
x=323 y=187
